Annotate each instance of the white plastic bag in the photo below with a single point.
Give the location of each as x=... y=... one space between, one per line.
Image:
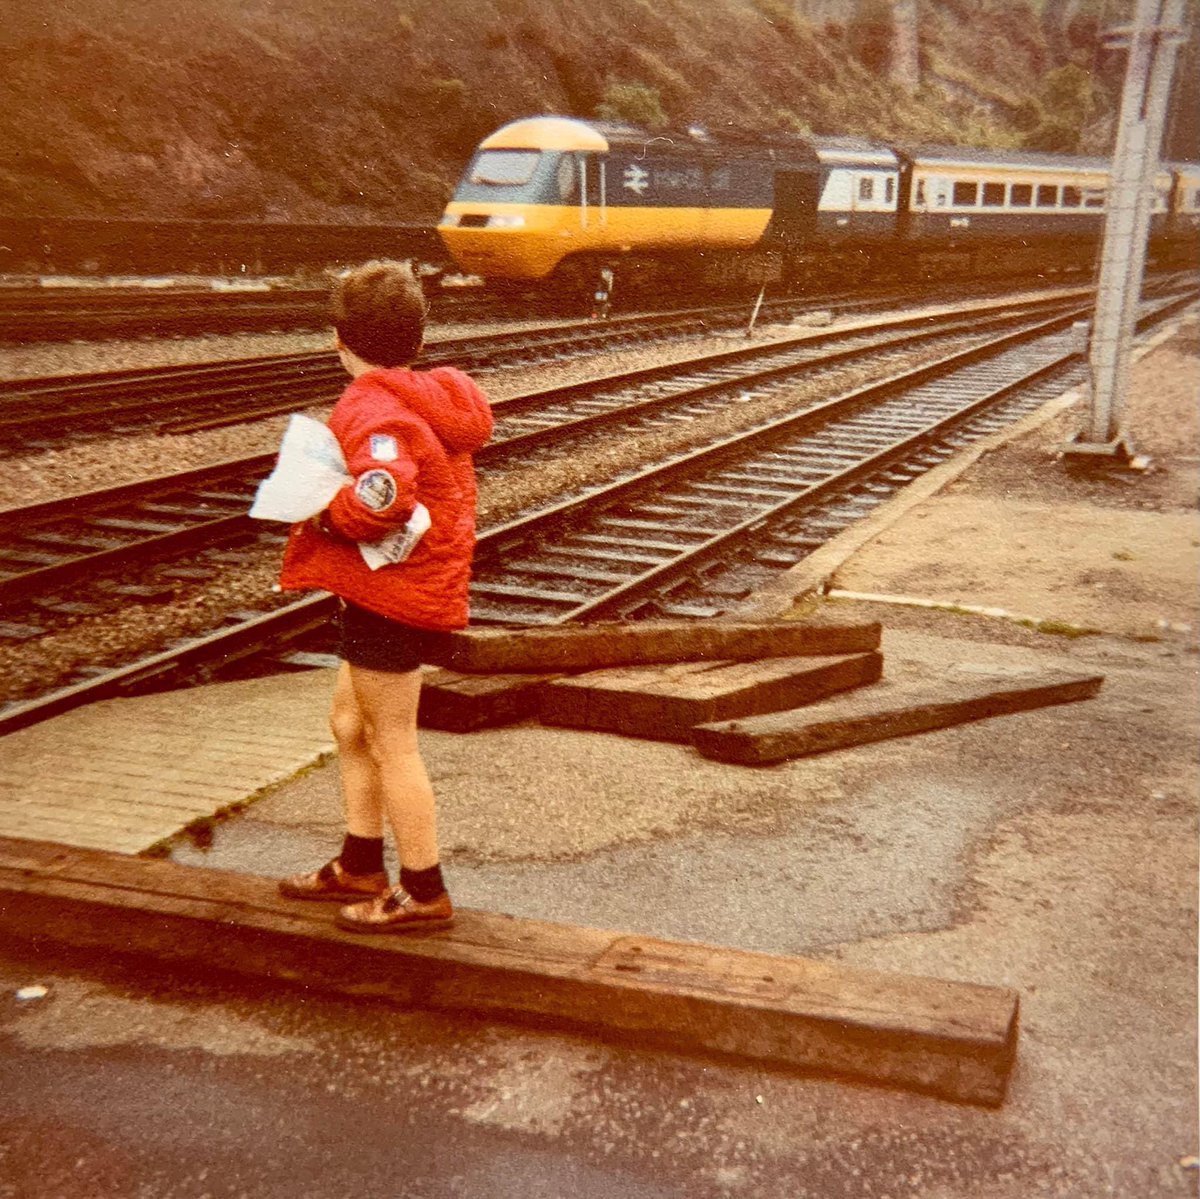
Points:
x=309 y=472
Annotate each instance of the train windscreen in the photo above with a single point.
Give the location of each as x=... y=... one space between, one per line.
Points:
x=504 y=168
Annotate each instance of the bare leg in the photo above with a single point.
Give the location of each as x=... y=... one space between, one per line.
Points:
x=387 y=703
x=362 y=799
x=362 y=790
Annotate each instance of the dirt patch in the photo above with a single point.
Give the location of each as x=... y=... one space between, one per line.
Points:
x=1018 y=531
x=1163 y=420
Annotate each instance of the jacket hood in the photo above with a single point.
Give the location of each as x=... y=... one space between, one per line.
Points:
x=447 y=400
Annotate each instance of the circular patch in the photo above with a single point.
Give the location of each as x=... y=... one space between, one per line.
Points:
x=376 y=490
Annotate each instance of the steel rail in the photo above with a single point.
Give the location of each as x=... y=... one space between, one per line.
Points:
x=44 y=314
x=825 y=479
x=30 y=406
x=151 y=541
x=529 y=346
x=206 y=653
x=670 y=558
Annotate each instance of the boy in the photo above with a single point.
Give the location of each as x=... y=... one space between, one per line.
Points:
x=407 y=437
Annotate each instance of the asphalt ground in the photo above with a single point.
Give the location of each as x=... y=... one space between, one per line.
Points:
x=1052 y=851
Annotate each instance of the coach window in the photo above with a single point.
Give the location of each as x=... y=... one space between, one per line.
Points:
x=889 y=189
x=1020 y=195
x=1093 y=198
x=866 y=187
x=1072 y=197
x=966 y=195
x=1047 y=196
x=993 y=195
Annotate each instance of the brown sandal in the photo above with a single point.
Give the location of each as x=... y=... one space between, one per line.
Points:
x=332 y=882
x=396 y=911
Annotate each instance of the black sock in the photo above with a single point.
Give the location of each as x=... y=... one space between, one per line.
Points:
x=423 y=885
x=361 y=855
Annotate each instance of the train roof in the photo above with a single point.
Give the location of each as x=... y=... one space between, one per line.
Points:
x=972 y=156
x=546 y=133
x=855 y=151
x=551 y=132
x=697 y=139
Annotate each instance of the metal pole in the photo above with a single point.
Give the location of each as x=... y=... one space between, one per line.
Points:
x=754 y=314
x=1152 y=40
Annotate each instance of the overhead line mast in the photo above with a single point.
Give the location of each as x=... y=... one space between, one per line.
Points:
x=1152 y=40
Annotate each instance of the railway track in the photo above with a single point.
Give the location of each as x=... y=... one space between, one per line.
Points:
x=46 y=413
x=693 y=535
x=41 y=310
x=80 y=538
x=36 y=313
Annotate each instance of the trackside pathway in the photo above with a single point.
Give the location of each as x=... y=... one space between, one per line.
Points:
x=124 y=774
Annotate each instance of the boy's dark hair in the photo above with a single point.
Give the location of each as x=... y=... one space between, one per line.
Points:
x=378 y=310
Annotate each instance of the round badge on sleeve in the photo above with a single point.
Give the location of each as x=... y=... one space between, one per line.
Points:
x=376 y=489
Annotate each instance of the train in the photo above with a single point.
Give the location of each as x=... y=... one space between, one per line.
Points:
x=553 y=199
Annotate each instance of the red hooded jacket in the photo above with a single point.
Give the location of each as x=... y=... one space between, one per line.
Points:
x=407 y=437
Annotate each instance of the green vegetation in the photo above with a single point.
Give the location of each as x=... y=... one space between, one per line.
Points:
x=633 y=102
x=1067 y=97
x=1060 y=628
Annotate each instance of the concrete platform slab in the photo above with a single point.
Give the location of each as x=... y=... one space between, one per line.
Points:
x=667 y=702
x=591 y=647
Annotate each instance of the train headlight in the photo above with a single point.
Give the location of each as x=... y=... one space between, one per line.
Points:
x=506 y=220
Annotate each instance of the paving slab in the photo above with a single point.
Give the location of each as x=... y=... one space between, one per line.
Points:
x=614 y=643
x=667 y=702
x=952 y=1039
x=900 y=707
x=124 y=774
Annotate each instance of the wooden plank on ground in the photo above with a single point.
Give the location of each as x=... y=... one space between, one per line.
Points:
x=459 y=703
x=953 y=1039
x=891 y=708
x=665 y=702
x=592 y=646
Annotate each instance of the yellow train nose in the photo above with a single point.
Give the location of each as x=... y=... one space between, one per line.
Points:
x=501 y=244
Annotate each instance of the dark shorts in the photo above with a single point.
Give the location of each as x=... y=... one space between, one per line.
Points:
x=376 y=643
